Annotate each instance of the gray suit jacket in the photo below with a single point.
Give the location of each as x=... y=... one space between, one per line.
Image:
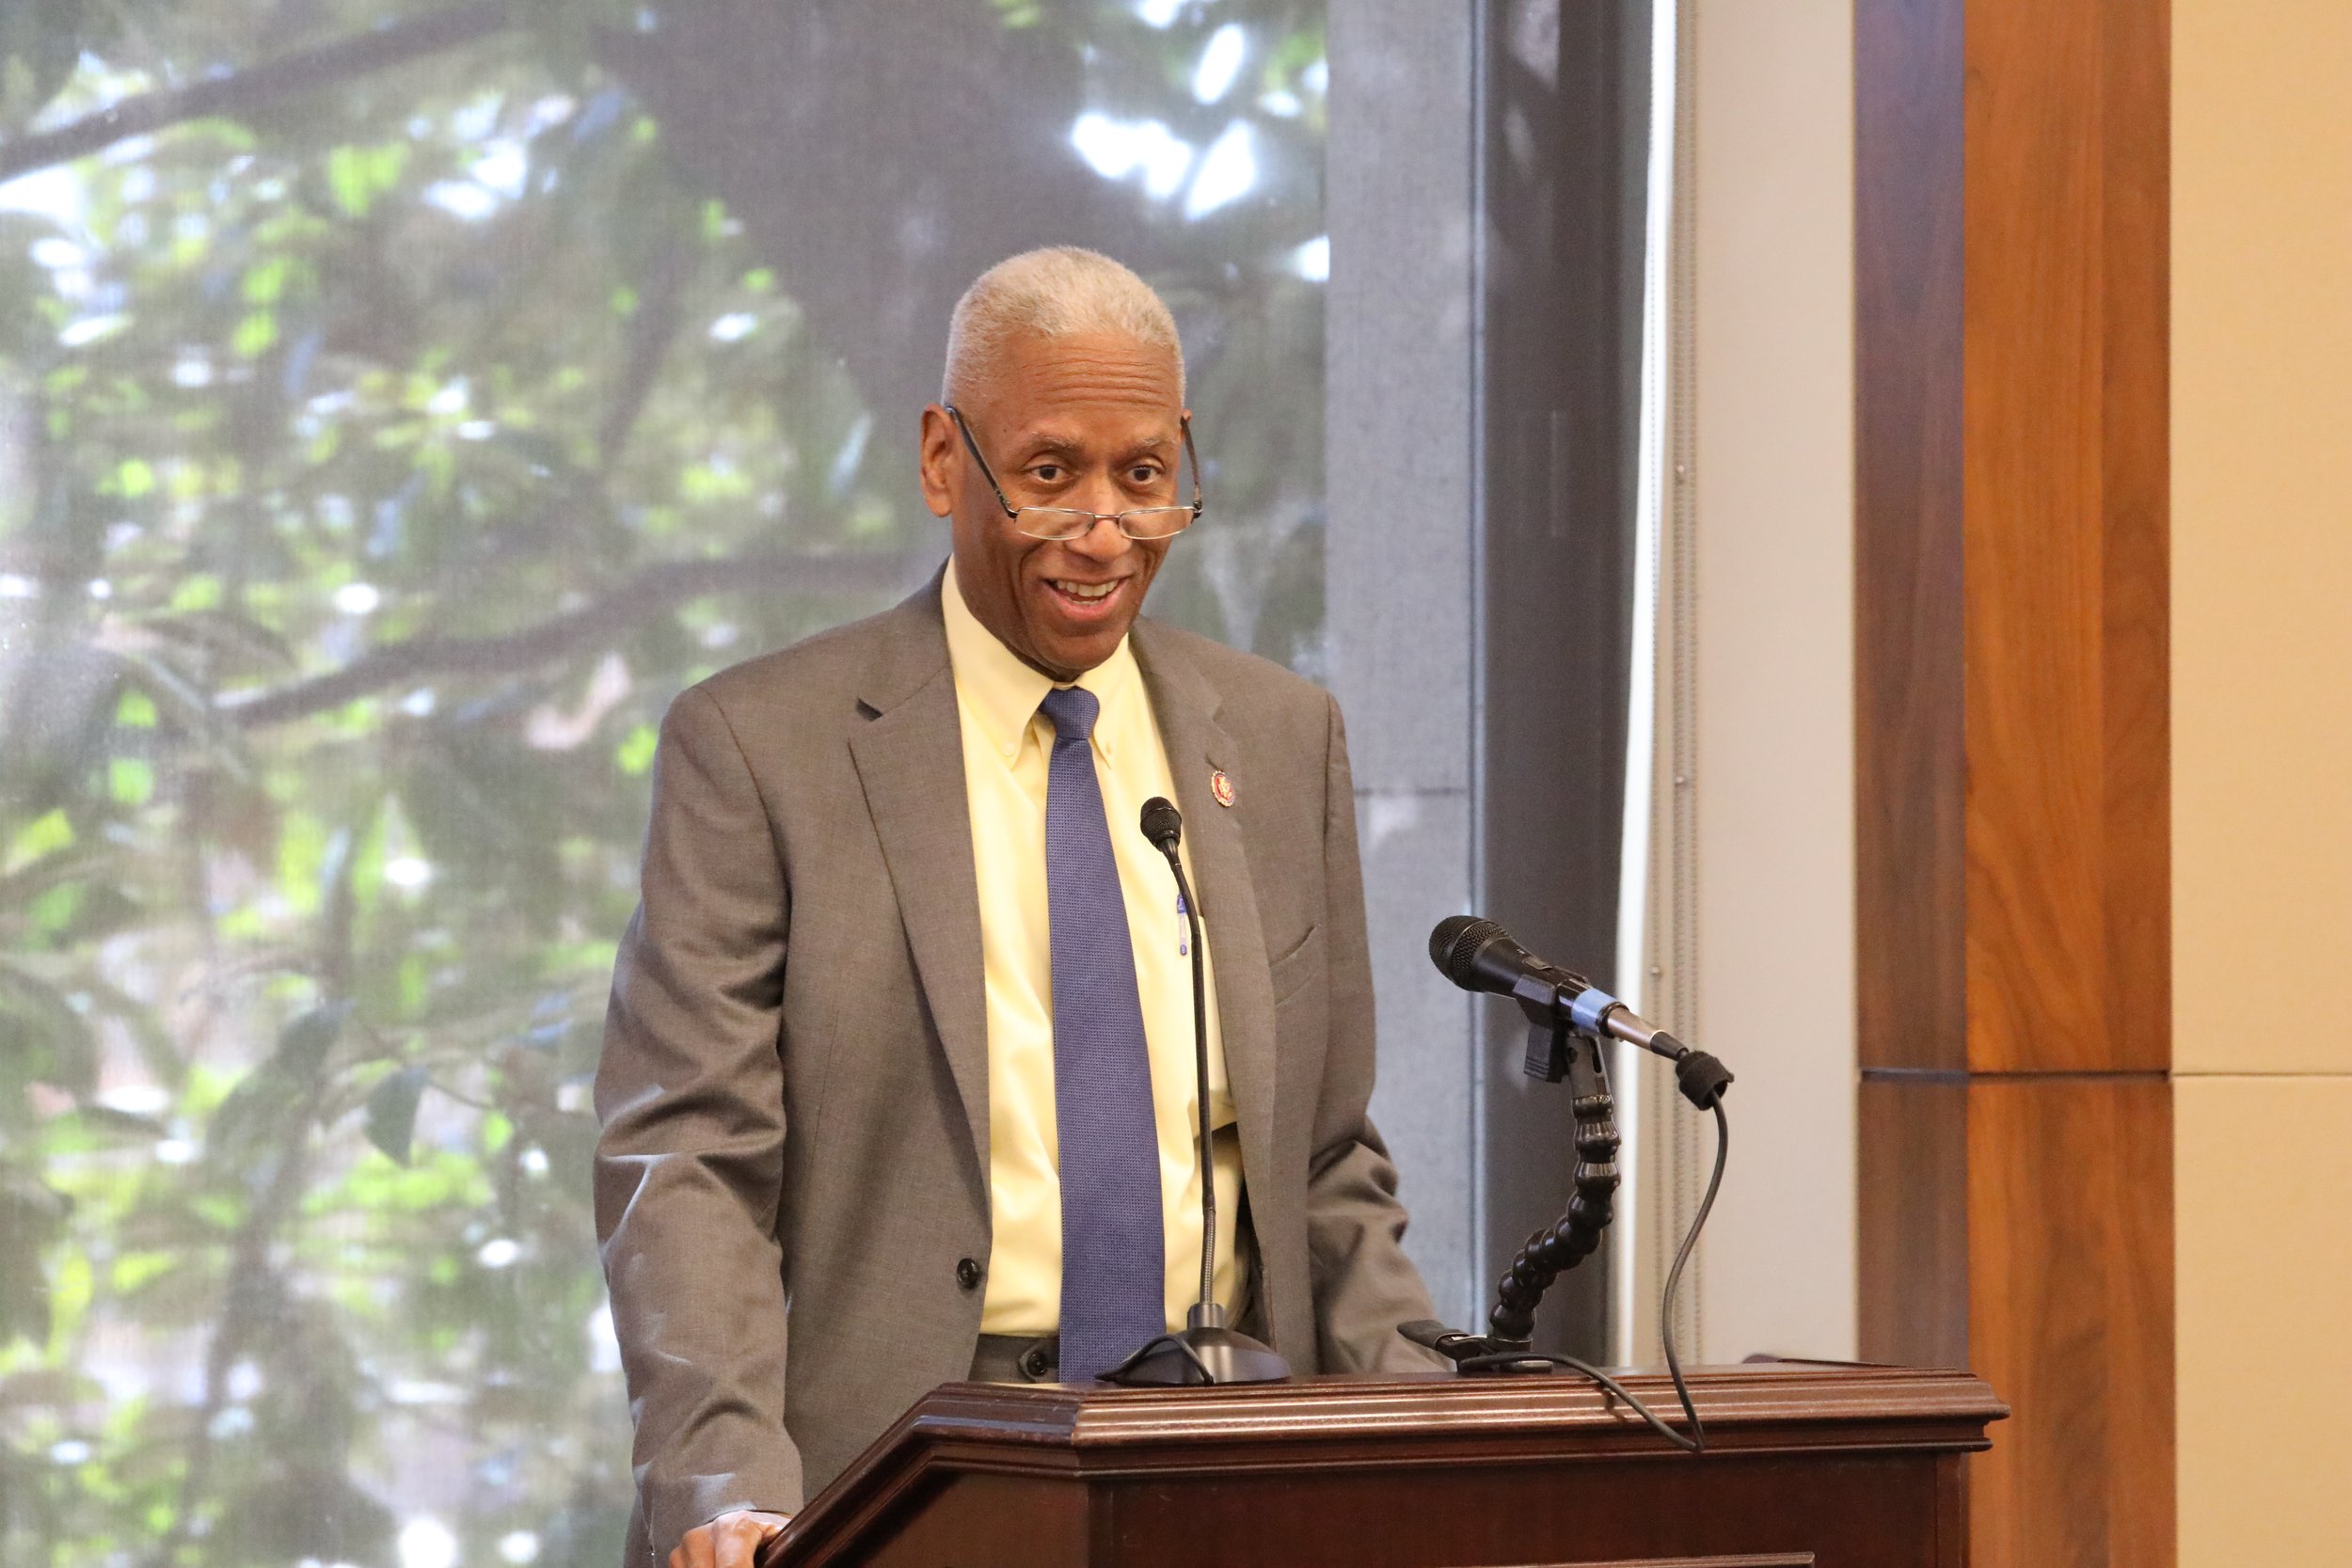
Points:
x=795 y=1075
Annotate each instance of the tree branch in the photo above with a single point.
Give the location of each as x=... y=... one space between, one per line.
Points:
x=250 y=1297
x=655 y=589
x=650 y=333
x=300 y=72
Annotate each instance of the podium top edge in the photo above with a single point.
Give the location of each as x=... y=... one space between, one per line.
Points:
x=1782 y=1396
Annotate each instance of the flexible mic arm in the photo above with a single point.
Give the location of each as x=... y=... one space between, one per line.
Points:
x=1552 y=1252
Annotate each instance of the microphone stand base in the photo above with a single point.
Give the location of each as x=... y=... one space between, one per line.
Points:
x=1197 y=1357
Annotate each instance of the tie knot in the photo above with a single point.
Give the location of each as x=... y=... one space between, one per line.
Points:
x=1073 y=710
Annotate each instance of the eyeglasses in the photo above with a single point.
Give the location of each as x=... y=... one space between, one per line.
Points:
x=1064 y=522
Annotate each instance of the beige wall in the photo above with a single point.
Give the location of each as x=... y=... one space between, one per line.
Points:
x=2262 y=683
x=2262 y=770
x=1773 y=98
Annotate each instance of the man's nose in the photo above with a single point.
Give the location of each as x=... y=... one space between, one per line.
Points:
x=1103 y=542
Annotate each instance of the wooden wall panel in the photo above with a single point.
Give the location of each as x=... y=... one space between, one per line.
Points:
x=2065 y=478
x=2136 y=479
x=2143 y=1504
x=2013 y=769
x=1912 y=1170
x=2030 y=460
x=2069 y=1273
x=1909 y=762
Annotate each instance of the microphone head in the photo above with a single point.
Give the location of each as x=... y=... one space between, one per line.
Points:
x=1456 y=943
x=1162 y=824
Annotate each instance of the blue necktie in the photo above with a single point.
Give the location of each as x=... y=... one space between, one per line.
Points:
x=1113 y=1249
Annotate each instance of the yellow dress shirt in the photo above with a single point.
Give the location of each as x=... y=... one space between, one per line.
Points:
x=1006 y=745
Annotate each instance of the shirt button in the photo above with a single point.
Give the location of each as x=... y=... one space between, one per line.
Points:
x=968 y=1274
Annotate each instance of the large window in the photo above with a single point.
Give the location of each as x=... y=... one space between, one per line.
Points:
x=400 y=403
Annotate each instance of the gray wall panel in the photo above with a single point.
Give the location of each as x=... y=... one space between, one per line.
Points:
x=1417 y=860
x=1399 y=446
x=1400 y=463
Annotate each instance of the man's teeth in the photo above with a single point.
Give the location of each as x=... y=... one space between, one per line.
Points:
x=1087 y=591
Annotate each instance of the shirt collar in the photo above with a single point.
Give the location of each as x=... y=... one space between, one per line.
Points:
x=1003 y=693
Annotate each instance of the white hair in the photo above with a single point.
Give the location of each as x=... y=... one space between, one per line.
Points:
x=1058 y=291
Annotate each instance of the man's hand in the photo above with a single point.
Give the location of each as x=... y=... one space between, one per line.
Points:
x=730 y=1541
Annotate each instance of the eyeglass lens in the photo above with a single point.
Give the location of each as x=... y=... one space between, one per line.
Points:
x=1051 y=522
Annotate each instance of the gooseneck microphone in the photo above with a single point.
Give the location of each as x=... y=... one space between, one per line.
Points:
x=1207 y=1351
x=1164 y=825
x=1568 y=1014
x=1479 y=955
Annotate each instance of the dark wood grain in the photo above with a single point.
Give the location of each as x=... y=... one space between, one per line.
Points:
x=2013 y=745
x=1912 y=1177
x=2012 y=849
x=2136 y=283
x=1773 y=1559
x=2143 y=1505
x=1951 y=1507
x=1909 y=769
x=1839 y=1466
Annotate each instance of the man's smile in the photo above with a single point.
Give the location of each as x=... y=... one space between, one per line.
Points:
x=1085 y=600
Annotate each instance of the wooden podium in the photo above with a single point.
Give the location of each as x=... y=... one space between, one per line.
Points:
x=1808 y=1465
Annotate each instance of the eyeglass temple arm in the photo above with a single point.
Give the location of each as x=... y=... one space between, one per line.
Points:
x=1184 y=425
x=986 y=472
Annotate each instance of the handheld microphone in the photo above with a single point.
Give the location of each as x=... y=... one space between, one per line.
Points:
x=1479 y=955
x=1206 y=1351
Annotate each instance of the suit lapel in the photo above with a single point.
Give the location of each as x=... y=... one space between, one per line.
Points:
x=910 y=762
x=1186 y=706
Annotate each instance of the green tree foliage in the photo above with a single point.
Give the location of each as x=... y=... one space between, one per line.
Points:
x=399 y=402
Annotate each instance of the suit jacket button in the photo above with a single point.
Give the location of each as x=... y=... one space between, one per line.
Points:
x=1034 y=1365
x=968 y=1274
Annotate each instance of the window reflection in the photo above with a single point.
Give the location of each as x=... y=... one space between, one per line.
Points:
x=398 y=404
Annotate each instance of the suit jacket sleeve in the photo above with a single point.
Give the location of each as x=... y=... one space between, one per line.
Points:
x=688 y=1168
x=1364 y=1285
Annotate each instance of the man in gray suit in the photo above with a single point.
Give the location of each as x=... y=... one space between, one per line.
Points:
x=899 y=1049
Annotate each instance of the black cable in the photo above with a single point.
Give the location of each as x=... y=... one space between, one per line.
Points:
x=1147 y=1352
x=1500 y=1360
x=1516 y=1357
x=1695 y=1442
x=1673 y=1278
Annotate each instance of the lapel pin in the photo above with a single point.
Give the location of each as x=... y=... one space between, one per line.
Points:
x=1222 y=787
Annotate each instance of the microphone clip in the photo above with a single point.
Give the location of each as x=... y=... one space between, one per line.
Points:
x=1562 y=1007
x=1554 y=1022
x=1552 y=1042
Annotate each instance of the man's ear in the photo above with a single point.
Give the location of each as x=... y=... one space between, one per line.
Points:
x=935 y=461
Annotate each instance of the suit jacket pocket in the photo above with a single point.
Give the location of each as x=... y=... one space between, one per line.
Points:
x=1302 y=963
